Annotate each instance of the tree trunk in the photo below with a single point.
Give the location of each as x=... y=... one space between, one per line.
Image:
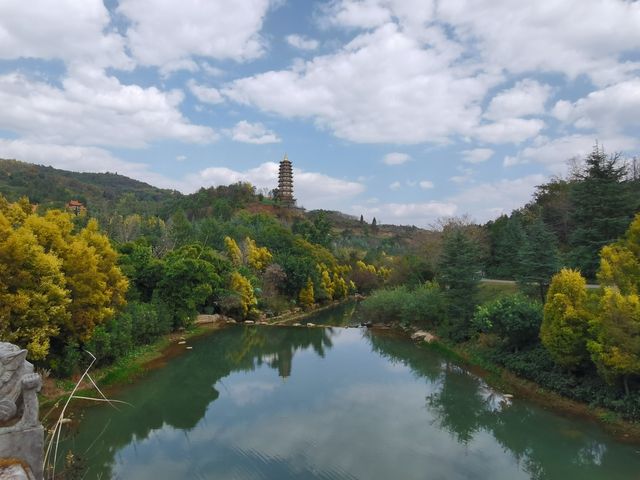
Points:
x=625 y=380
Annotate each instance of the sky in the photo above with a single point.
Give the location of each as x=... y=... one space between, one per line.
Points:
x=404 y=110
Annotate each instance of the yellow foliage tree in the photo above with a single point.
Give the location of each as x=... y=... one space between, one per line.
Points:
x=242 y=286
x=565 y=322
x=306 y=294
x=620 y=261
x=235 y=255
x=340 y=288
x=258 y=258
x=54 y=282
x=616 y=347
x=326 y=284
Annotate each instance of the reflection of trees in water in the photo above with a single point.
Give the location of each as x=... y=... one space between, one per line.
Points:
x=180 y=393
x=546 y=446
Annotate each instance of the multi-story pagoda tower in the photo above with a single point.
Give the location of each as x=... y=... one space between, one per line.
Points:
x=285 y=183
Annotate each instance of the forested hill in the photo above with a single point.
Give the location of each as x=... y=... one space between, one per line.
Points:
x=52 y=187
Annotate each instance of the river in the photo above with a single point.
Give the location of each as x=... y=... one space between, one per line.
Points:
x=263 y=402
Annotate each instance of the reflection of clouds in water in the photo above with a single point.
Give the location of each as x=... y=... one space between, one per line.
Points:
x=591 y=454
x=370 y=430
x=396 y=367
x=250 y=391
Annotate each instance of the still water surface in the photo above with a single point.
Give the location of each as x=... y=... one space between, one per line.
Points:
x=333 y=403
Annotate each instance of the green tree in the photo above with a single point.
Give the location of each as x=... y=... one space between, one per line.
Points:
x=601 y=209
x=459 y=273
x=564 y=330
x=538 y=258
x=620 y=261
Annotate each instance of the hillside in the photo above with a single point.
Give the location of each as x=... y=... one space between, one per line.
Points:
x=52 y=187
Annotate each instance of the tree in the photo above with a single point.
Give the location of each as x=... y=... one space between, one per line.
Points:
x=538 y=257
x=257 y=257
x=565 y=323
x=620 y=261
x=507 y=237
x=242 y=287
x=234 y=252
x=306 y=294
x=459 y=273
x=601 y=208
x=616 y=347
x=374 y=225
x=191 y=276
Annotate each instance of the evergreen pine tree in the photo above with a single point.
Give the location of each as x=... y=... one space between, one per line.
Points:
x=601 y=209
x=459 y=273
x=538 y=257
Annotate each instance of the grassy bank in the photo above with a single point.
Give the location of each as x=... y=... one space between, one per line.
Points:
x=471 y=356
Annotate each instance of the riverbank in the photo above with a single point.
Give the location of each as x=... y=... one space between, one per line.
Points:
x=149 y=357
x=501 y=378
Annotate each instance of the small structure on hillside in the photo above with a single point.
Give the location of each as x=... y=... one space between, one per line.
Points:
x=284 y=194
x=76 y=207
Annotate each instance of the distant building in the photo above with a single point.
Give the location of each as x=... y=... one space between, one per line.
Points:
x=285 y=183
x=76 y=207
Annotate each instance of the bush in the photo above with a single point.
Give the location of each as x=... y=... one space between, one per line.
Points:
x=515 y=319
x=423 y=306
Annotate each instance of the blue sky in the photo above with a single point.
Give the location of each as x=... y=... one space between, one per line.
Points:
x=407 y=110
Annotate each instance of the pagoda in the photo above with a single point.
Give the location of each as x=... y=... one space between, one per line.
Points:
x=285 y=183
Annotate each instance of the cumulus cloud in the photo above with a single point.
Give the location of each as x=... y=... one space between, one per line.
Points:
x=426 y=184
x=257 y=133
x=71 y=31
x=383 y=86
x=301 y=42
x=527 y=97
x=161 y=32
x=395 y=185
x=610 y=110
x=205 y=94
x=396 y=158
x=312 y=189
x=489 y=200
x=477 y=155
x=419 y=214
x=554 y=153
x=92 y=108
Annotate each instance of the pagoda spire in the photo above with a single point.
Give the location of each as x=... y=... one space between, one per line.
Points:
x=285 y=183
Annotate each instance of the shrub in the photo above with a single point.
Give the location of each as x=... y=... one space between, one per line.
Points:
x=515 y=319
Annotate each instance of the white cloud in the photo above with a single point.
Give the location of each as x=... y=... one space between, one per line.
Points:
x=509 y=130
x=396 y=158
x=383 y=86
x=572 y=37
x=527 y=97
x=72 y=31
x=466 y=175
x=489 y=200
x=301 y=42
x=93 y=108
x=477 y=155
x=420 y=214
x=253 y=133
x=312 y=189
x=164 y=31
x=426 y=184
x=205 y=94
x=181 y=158
x=554 y=153
x=609 y=110
x=395 y=185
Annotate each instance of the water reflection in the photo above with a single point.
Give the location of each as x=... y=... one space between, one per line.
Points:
x=332 y=403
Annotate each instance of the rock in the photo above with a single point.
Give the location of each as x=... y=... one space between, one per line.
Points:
x=309 y=324
x=189 y=348
x=181 y=342
x=297 y=324
x=231 y=320
x=14 y=472
x=423 y=335
x=249 y=322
